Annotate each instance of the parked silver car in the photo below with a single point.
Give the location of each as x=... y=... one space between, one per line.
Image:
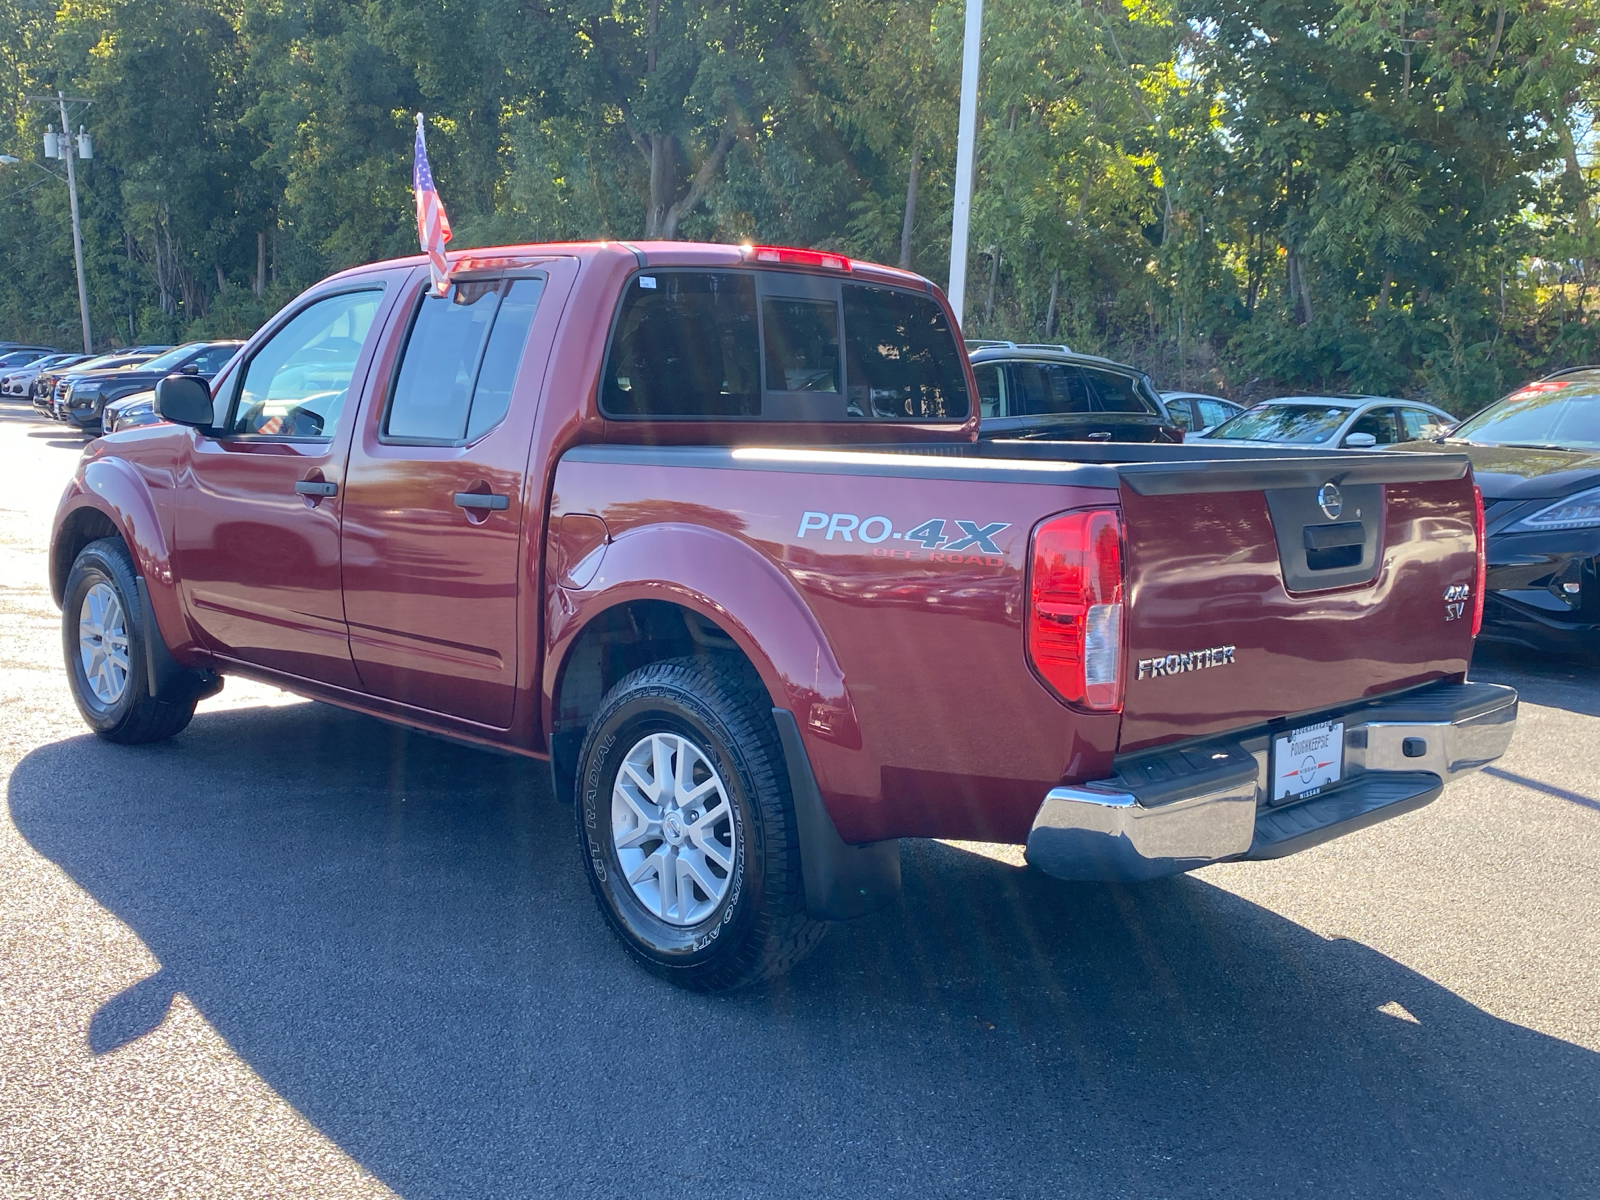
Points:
x=1353 y=422
x=1196 y=412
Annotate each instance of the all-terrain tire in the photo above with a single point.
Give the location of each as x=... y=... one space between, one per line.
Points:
x=132 y=715
x=759 y=925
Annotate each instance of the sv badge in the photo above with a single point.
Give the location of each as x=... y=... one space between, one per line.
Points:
x=1455 y=600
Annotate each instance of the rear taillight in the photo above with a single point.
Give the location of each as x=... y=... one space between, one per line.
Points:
x=1075 y=625
x=1483 y=560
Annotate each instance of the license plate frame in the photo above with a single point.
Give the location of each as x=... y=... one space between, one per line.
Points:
x=1307 y=761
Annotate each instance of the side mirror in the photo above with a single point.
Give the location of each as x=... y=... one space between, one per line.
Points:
x=184 y=399
x=189 y=369
x=1360 y=441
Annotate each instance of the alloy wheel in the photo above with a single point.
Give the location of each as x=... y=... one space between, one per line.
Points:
x=103 y=643
x=673 y=828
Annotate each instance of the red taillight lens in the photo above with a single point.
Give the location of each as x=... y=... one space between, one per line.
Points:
x=791 y=256
x=1483 y=560
x=1075 y=607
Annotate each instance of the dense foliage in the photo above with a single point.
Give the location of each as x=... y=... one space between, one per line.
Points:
x=1243 y=194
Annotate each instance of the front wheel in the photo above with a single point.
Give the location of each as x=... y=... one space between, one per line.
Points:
x=687 y=827
x=103 y=632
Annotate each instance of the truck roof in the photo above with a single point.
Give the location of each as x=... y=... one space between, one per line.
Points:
x=666 y=254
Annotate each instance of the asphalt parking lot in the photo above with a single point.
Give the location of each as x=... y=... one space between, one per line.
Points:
x=297 y=952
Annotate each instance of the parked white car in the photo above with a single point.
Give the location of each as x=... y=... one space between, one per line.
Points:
x=19 y=381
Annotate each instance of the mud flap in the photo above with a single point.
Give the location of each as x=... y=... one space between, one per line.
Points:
x=842 y=881
x=164 y=675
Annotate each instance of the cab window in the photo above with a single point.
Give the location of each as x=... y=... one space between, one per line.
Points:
x=685 y=345
x=460 y=360
x=696 y=344
x=296 y=385
x=900 y=358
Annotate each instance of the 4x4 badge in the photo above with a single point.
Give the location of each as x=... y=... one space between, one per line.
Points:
x=1455 y=600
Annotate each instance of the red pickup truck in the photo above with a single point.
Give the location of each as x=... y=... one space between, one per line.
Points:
x=709 y=528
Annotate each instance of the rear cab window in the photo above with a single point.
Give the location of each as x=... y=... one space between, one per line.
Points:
x=774 y=346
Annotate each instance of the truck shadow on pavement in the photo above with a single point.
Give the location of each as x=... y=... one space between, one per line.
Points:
x=395 y=934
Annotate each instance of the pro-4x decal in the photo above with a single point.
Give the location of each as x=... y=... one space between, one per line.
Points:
x=932 y=534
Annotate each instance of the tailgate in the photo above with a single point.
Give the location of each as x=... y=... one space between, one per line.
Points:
x=1262 y=589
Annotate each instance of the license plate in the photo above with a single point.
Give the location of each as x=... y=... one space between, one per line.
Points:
x=1306 y=760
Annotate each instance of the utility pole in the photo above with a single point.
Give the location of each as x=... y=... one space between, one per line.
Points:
x=69 y=148
x=77 y=228
x=966 y=148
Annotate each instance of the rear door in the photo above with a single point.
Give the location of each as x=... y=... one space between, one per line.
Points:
x=1046 y=399
x=435 y=504
x=1127 y=411
x=1382 y=423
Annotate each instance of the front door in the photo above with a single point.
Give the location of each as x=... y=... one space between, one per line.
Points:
x=256 y=535
x=434 y=502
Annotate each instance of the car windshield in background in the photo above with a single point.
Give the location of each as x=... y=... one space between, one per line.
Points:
x=172 y=359
x=1563 y=416
x=1294 y=424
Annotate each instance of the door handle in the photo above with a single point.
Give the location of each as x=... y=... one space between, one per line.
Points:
x=1099 y=435
x=482 y=501
x=316 y=487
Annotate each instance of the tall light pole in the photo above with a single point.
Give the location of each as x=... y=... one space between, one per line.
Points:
x=69 y=148
x=966 y=148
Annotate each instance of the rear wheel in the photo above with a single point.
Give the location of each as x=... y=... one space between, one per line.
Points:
x=102 y=629
x=687 y=826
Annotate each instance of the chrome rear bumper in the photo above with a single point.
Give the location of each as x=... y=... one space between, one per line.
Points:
x=1172 y=810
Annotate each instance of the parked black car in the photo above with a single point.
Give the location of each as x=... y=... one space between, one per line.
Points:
x=88 y=394
x=48 y=385
x=1052 y=393
x=1536 y=457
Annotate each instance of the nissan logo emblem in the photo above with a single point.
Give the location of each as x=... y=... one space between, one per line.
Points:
x=1330 y=501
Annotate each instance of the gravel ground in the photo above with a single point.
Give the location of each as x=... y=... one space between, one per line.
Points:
x=297 y=952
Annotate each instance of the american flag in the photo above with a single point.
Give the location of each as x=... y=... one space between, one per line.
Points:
x=433 y=226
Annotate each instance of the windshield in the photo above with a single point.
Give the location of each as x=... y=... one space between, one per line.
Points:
x=172 y=359
x=1300 y=424
x=104 y=360
x=1560 y=415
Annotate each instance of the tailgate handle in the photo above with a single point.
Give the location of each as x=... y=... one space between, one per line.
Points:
x=1334 y=537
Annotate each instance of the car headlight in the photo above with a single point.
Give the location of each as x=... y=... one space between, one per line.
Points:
x=1581 y=511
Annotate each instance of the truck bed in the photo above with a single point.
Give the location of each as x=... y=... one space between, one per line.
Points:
x=945 y=730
